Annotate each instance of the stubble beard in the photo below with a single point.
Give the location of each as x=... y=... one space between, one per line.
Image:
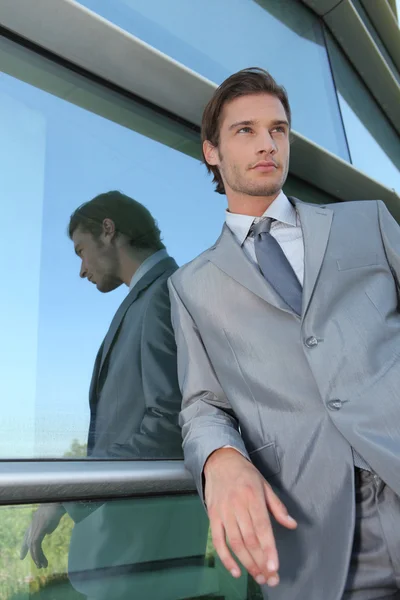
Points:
x=254 y=189
x=239 y=184
x=110 y=267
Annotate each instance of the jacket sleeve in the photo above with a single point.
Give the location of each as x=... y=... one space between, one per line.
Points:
x=207 y=419
x=159 y=434
x=390 y=233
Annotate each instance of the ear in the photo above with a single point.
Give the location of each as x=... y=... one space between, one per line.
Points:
x=109 y=228
x=210 y=153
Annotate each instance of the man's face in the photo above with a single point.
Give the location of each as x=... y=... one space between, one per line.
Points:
x=253 y=152
x=100 y=264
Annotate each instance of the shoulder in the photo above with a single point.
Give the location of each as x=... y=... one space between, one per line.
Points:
x=156 y=300
x=151 y=301
x=347 y=206
x=362 y=215
x=192 y=269
x=351 y=211
x=355 y=206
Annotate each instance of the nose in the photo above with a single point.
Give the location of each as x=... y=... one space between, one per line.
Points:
x=83 y=271
x=266 y=143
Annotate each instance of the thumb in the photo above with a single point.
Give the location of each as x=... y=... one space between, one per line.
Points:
x=277 y=508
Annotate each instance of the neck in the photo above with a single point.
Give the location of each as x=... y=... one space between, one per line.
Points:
x=253 y=206
x=129 y=264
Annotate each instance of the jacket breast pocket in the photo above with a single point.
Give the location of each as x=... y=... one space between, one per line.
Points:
x=357 y=262
x=266 y=460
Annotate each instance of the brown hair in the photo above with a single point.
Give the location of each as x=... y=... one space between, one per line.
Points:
x=253 y=80
x=129 y=217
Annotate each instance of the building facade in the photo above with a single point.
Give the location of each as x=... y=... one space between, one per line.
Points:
x=103 y=95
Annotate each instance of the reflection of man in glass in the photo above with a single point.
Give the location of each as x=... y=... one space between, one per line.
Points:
x=119 y=242
x=134 y=394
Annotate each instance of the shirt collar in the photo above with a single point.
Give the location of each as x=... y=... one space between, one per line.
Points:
x=280 y=209
x=146 y=265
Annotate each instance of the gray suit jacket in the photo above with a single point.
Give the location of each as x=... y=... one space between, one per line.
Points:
x=252 y=378
x=134 y=394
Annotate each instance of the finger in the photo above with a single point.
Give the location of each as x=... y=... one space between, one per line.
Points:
x=219 y=541
x=37 y=553
x=238 y=545
x=39 y=558
x=25 y=545
x=252 y=545
x=278 y=509
x=263 y=528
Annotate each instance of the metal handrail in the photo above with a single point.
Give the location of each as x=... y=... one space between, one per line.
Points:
x=27 y=482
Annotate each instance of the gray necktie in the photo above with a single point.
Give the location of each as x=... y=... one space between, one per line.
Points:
x=279 y=273
x=275 y=267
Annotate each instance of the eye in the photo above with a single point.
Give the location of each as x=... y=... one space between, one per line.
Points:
x=245 y=130
x=279 y=129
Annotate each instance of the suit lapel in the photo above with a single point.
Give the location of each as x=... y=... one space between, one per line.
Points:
x=95 y=377
x=167 y=264
x=228 y=256
x=316 y=224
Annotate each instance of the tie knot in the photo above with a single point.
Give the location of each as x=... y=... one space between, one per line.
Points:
x=263 y=226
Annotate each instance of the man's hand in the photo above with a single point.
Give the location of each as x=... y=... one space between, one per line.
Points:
x=44 y=521
x=239 y=501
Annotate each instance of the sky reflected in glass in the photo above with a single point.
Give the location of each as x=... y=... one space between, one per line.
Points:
x=217 y=39
x=55 y=156
x=64 y=140
x=373 y=142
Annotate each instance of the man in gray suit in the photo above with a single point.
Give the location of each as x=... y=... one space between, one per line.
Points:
x=288 y=335
x=134 y=393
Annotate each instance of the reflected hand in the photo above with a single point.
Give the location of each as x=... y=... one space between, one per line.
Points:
x=239 y=502
x=44 y=521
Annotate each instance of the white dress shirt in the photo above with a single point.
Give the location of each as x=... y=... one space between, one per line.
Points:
x=146 y=265
x=286 y=229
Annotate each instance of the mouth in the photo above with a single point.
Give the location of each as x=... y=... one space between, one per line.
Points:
x=265 y=166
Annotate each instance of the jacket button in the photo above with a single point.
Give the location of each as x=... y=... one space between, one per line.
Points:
x=311 y=342
x=335 y=404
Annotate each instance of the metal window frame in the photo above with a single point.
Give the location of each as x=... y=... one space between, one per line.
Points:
x=353 y=36
x=66 y=29
x=393 y=8
x=77 y=35
x=385 y=23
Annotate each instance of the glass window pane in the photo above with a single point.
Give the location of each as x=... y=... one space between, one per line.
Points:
x=146 y=548
x=216 y=39
x=373 y=142
x=64 y=140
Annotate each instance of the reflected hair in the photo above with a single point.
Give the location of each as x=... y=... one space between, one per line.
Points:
x=130 y=218
x=253 y=80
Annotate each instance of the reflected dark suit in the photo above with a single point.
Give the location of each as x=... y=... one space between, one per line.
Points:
x=134 y=403
x=134 y=394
